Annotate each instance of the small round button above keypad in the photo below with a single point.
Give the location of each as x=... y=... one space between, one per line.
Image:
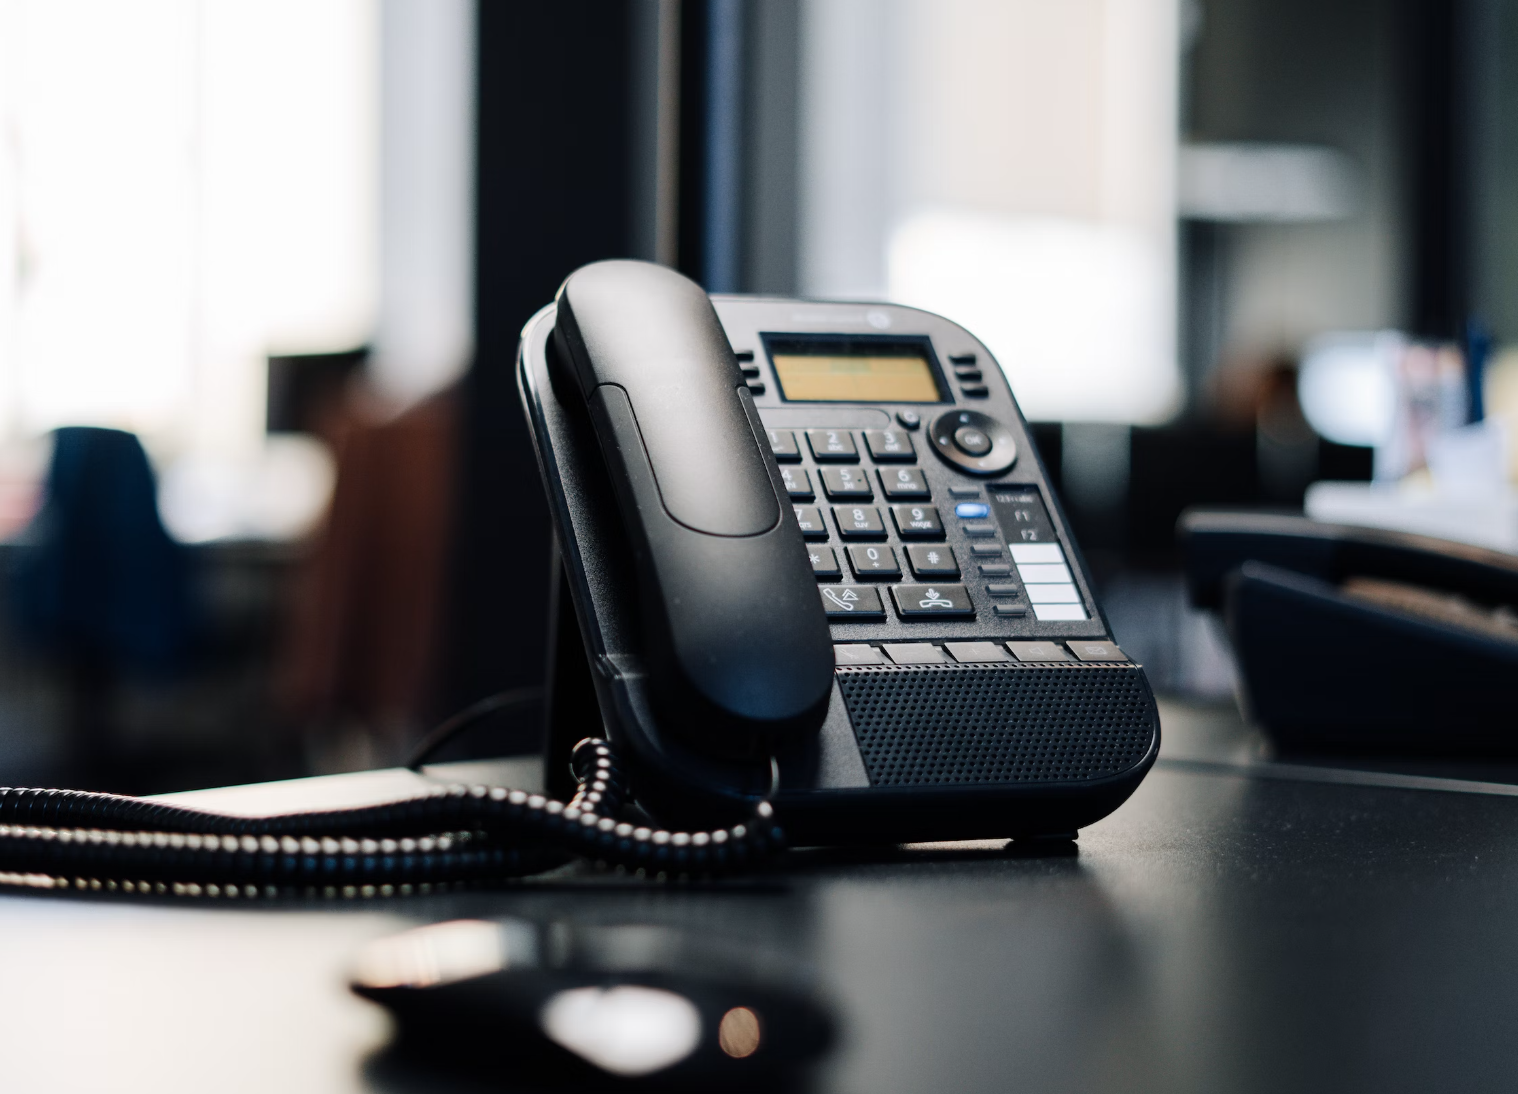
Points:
x=973 y=442
x=909 y=419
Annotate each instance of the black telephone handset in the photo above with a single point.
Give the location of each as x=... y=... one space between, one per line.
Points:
x=739 y=654
x=812 y=543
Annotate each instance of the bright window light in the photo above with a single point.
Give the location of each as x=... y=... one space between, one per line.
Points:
x=185 y=187
x=1009 y=164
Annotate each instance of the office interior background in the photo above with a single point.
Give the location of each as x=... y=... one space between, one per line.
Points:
x=1220 y=247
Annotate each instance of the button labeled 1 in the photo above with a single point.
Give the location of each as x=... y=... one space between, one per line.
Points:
x=783 y=444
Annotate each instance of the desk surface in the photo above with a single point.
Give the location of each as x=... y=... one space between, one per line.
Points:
x=1235 y=926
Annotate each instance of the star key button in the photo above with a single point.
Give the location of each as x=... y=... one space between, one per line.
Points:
x=931 y=601
x=824 y=562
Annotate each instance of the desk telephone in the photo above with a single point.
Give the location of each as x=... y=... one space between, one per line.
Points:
x=814 y=589
x=811 y=543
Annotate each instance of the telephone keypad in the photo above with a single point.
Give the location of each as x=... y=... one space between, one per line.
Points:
x=890 y=446
x=810 y=519
x=874 y=562
x=845 y=482
x=932 y=561
x=798 y=483
x=917 y=522
x=783 y=445
x=851 y=602
x=859 y=522
x=824 y=562
x=880 y=550
x=832 y=445
x=902 y=483
x=931 y=601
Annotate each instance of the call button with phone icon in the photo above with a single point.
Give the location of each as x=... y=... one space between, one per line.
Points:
x=931 y=601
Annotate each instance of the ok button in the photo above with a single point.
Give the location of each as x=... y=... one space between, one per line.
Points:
x=972 y=441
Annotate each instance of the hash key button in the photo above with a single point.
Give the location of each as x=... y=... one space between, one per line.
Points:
x=859 y=522
x=890 y=446
x=845 y=482
x=932 y=561
x=931 y=601
x=832 y=445
x=851 y=602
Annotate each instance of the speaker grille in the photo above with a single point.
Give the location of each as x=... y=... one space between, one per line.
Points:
x=945 y=725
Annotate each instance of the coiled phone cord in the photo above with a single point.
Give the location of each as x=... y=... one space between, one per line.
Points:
x=458 y=835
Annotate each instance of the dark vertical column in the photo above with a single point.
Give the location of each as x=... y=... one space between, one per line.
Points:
x=554 y=171
x=1438 y=85
x=712 y=141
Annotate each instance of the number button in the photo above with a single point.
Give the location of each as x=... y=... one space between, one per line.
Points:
x=798 y=483
x=917 y=521
x=832 y=445
x=783 y=445
x=824 y=563
x=859 y=522
x=890 y=446
x=845 y=482
x=810 y=519
x=903 y=482
x=874 y=562
x=935 y=561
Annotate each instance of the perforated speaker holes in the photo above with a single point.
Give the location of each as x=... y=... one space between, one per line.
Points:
x=944 y=725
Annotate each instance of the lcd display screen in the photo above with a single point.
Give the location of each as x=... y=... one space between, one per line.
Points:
x=854 y=371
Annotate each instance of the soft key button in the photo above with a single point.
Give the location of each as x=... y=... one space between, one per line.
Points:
x=914 y=653
x=1096 y=651
x=857 y=655
x=1037 y=651
x=972 y=510
x=975 y=653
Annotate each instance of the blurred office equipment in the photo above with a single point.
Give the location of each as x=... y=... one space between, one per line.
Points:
x=1362 y=639
x=99 y=587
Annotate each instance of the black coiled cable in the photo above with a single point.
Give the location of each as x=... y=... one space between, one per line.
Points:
x=454 y=835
